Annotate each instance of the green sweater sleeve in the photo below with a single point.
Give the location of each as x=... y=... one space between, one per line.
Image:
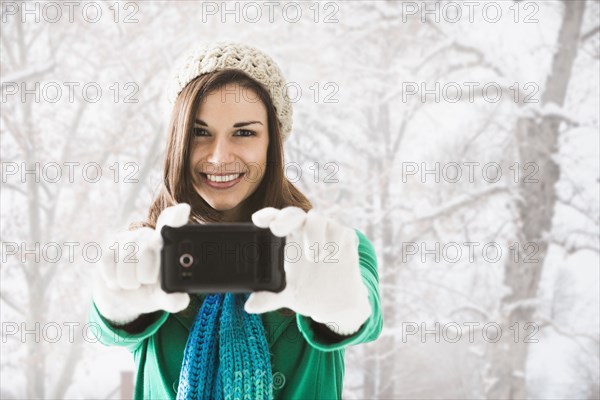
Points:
x=110 y=335
x=371 y=328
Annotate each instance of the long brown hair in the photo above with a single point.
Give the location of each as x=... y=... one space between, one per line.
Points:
x=275 y=190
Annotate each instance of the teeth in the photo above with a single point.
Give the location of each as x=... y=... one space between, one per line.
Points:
x=224 y=178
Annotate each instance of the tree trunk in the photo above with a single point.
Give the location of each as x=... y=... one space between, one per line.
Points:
x=35 y=360
x=537 y=143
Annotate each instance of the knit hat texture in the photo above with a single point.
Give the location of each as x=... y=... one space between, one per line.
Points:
x=206 y=58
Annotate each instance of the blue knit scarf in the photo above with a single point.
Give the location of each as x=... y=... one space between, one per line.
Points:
x=226 y=355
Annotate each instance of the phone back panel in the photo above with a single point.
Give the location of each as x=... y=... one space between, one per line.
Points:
x=221 y=257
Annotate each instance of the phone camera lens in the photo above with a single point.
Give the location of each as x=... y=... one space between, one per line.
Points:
x=186 y=260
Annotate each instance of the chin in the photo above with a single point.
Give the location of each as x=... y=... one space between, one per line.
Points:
x=224 y=207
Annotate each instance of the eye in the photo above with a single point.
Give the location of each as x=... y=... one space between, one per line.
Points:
x=246 y=132
x=199 y=132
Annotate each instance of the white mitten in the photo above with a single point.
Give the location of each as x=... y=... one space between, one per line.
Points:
x=130 y=286
x=323 y=282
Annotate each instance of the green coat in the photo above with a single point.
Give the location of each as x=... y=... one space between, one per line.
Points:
x=306 y=363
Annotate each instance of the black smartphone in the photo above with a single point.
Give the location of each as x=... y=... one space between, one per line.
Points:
x=220 y=258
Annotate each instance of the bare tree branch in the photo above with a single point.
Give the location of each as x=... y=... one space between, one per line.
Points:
x=11 y=304
x=589 y=34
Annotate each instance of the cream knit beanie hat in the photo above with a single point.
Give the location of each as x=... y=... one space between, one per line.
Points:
x=217 y=56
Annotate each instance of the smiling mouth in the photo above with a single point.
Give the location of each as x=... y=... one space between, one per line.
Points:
x=223 y=182
x=221 y=178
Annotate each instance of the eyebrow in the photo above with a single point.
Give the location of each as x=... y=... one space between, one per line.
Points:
x=236 y=125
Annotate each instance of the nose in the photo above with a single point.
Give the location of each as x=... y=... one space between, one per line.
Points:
x=220 y=152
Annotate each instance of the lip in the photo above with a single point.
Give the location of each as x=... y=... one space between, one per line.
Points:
x=220 y=185
x=226 y=173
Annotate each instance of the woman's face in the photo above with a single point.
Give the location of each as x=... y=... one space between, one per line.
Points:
x=230 y=137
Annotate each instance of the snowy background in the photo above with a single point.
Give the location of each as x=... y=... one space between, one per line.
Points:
x=462 y=138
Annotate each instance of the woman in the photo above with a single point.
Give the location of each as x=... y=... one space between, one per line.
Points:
x=224 y=163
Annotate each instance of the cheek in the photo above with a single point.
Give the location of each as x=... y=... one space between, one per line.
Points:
x=194 y=157
x=258 y=161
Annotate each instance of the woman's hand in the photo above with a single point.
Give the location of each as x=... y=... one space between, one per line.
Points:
x=124 y=289
x=323 y=282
